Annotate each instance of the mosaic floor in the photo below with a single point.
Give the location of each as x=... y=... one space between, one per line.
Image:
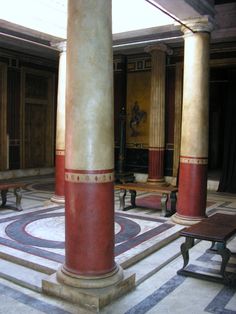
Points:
x=35 y=237
x=39 y=234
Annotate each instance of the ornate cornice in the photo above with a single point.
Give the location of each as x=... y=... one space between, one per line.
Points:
x=200 y=24
x=159 y=47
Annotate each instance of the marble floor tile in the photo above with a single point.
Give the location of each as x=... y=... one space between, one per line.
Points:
x=148 y=245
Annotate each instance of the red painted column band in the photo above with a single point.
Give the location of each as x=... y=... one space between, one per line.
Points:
x=60 y=173
x=192 y=188
x=156 y=164
x=89 y=229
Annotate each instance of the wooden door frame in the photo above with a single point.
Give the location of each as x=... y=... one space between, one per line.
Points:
x=4 y=147
x=50 y=127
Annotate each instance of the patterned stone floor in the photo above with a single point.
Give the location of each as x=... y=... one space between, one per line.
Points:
x=35 y=237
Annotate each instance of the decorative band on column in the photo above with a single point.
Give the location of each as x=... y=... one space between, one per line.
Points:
x=89 y=176
x=194 y=160
x=60 y=152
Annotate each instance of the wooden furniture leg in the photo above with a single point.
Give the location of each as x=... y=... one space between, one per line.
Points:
x=133 y=194
x=164 y=199
x=173 y=200
x=185 y=247
x=4 y=197
x=17 y=192
x=122 y=195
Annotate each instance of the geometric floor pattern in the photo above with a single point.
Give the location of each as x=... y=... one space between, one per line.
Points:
x=36 y=235
x=39 y=234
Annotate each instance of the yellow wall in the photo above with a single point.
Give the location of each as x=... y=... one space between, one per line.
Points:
x=138 y=90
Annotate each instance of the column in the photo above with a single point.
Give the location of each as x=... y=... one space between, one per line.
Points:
x=89 y=160
x=59 y=196
x=192 y=194
x=89 y=163
x=157 y=114
x=178 y=118
x=89 y=275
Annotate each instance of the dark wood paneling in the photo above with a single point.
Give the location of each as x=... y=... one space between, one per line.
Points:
x=13 y=117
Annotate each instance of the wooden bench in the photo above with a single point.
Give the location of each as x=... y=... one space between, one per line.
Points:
x=17 y=186
x=218 y=229
x=165 y=191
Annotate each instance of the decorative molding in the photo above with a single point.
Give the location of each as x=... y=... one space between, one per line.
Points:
x=157 y=149
x=159 y=47
x=136 y=64
x=137 y=145
x=119 y=63
x=200 y=24
x=89 y=176
x=194 y=160
x=60 y=152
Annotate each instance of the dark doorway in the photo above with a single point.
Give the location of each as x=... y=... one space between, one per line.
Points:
x=218 y=104
x=228 y=174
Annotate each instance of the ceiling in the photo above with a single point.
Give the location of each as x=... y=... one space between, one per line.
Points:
x=17 y=37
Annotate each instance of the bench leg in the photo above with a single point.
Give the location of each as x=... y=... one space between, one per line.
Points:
x=4 y=197
x=164 y=199
x=122 y=195
x=173 y=200
x=221 y=249
x=225 y=254
x=185 y=247
x=132 y=198
x=18 y=195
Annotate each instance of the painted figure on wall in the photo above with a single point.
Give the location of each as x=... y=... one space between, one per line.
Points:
x=137 y=116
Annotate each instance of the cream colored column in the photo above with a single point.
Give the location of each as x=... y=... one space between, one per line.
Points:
x=191 y=204
x=157 y=113
x=59 y=196
x=90 y=275
x=178 y=118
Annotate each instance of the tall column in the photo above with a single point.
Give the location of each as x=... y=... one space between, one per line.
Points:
x=178 y=117
x=157 y=114
x=89 y=275
x=59 y=196
x=89 y=163
x=192 y=194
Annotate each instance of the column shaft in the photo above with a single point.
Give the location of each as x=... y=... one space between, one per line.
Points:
x=191 y=205
x=157 y=114
x=60 y=129
x=89 y=173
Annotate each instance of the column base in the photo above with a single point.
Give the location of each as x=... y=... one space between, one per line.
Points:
x=160 y=182
x=185 y=220
x=58 y=199
x=109 y=279
x=90 y=298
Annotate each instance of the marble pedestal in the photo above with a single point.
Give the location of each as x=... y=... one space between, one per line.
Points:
x=92 y=299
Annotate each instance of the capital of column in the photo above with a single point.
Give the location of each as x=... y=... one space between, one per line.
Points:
x=160 y=47
x=200 y=24
x=61 y=46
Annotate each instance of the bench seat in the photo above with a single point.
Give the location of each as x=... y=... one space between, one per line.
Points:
x=218 y=229
x=16 y=187
x=164 y=191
